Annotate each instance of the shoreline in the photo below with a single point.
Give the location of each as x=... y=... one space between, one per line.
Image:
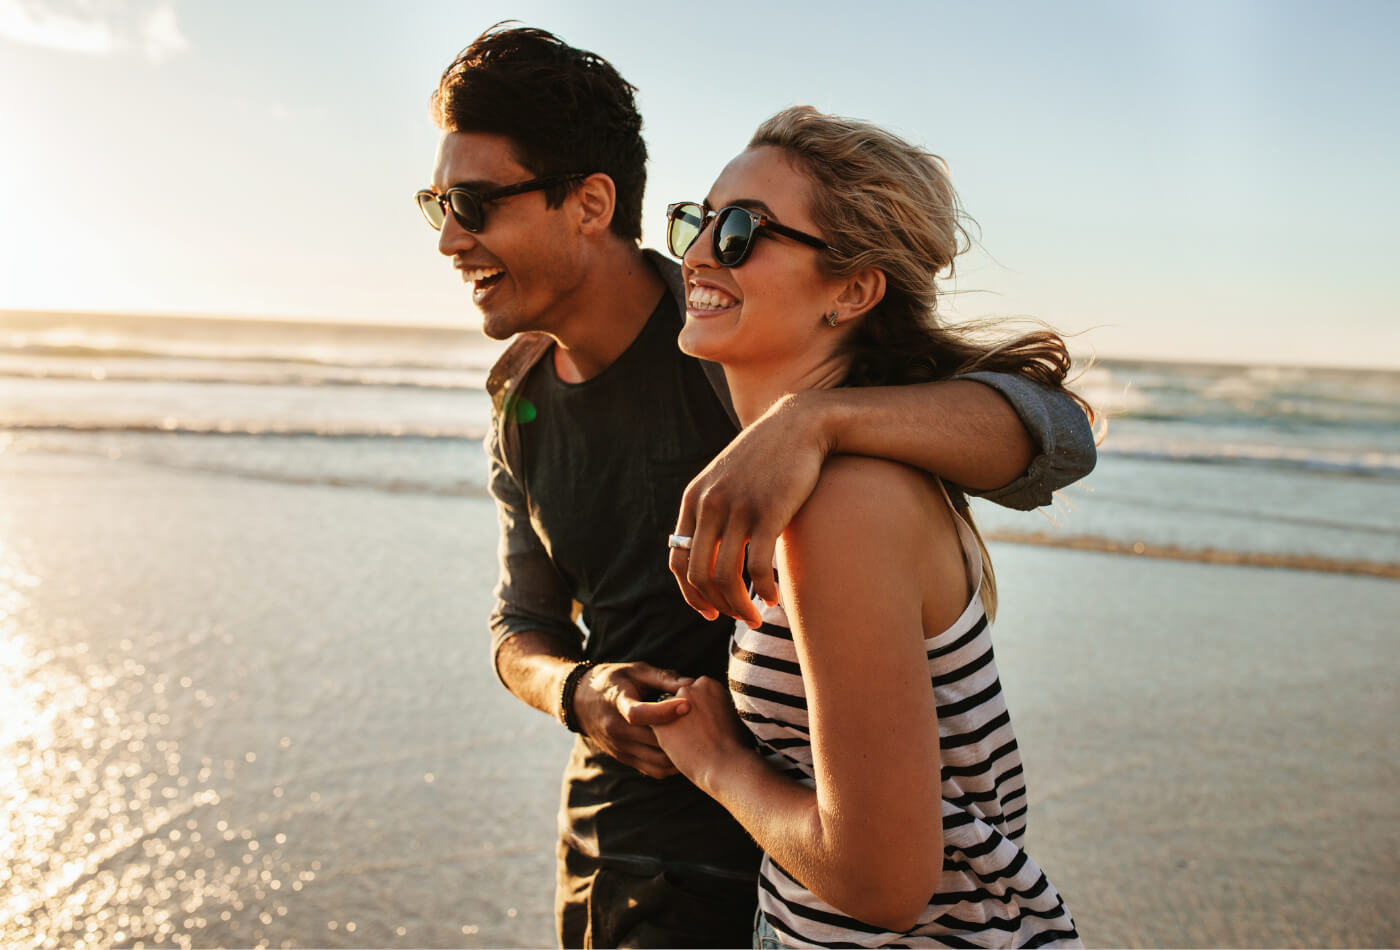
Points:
x=475 y=488
x=1173 y=552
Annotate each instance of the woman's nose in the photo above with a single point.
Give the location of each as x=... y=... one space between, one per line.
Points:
x=701 y=251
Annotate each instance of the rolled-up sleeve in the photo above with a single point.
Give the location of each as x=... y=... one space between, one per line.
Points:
x=1059 y=427
x=530 y=595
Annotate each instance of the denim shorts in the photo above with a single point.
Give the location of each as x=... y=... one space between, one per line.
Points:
x=764 y=936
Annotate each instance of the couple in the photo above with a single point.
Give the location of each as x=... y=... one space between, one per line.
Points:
x=852 y=722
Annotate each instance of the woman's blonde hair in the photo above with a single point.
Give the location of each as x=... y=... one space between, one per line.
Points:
x=884 y=203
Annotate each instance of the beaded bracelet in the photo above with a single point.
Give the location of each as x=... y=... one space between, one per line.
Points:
x=566 y=697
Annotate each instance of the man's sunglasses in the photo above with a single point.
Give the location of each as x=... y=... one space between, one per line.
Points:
x=734 y=233
x=469 y=207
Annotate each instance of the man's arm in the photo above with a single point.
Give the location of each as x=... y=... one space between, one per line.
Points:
x=992 y=433
x=1064 y=449
x=536 y=644
x=609 y=701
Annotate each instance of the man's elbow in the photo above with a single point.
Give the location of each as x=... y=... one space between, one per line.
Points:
x=1081 y=460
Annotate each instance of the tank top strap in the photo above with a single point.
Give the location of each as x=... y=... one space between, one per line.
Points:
x=971 y=550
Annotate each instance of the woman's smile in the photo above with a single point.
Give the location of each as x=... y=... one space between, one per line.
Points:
x=707 y=300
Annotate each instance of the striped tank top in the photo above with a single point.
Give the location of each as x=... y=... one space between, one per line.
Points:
x=991 y=893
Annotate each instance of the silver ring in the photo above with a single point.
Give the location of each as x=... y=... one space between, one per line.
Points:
x=679 y=541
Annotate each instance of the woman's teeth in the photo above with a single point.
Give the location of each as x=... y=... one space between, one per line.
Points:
x=708 y=298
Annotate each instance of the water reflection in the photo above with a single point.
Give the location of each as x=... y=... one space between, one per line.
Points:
x=234 y=712
x=113 y=834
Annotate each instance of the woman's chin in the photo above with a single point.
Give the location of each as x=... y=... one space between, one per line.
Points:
x=702 y=341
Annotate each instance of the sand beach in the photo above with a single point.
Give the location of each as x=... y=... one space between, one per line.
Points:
x=241 y=711
x=246 y=700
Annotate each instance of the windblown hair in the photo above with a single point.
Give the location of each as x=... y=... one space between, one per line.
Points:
x=564 y=109
x=884 y=203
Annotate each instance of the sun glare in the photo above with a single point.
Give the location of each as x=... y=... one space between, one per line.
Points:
x=15 y=703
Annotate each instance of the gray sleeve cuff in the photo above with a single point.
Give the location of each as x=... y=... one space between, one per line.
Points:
x=1059 y=427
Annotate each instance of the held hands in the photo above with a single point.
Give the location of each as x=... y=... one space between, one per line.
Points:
x=611 y=706
x=706 y=735
x=746 y=496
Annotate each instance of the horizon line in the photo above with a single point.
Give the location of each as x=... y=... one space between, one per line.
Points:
x=1079 y=357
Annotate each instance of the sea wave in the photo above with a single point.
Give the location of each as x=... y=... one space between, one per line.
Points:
x=406 y=465
x=274 y=429
x=1242 y=395
x=404 y=358
x=1366 y=464
x=95 y=337
x=1320 y=461
x=252 y=372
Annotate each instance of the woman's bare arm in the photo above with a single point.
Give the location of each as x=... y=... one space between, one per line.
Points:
x=864 y=566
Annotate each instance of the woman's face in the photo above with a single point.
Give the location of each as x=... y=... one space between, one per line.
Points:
x=768 y=310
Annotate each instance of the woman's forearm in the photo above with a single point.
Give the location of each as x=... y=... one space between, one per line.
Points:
x=834 y=855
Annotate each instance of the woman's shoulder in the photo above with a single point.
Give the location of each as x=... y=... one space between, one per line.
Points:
x=851 y=479
x=883 y=529
x=858 y=498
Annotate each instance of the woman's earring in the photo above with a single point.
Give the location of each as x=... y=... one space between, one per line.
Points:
x=831 y=318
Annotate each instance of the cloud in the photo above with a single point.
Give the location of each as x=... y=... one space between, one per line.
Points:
x=95 y=27
x=160 y=34
x=37 y=24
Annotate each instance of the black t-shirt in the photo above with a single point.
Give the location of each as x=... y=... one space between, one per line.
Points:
x=604 y=463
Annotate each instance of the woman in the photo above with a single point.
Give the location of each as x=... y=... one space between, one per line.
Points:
x=875 y=762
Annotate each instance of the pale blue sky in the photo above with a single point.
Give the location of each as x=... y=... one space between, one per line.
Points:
x=1209 y=180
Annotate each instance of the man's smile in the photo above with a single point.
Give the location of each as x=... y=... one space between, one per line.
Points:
x=482 y=276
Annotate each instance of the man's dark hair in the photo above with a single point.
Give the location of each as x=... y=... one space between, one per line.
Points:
x=565 y=109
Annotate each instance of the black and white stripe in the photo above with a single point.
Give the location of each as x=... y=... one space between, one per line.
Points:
x=991 y=893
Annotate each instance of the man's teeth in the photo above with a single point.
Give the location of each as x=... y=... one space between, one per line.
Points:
x=708 y=298
x=481 y=273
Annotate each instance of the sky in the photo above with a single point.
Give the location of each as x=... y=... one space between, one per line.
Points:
x=1173 y=180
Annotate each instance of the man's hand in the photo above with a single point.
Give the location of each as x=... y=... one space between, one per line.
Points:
x=746 y=497
x=611 y=706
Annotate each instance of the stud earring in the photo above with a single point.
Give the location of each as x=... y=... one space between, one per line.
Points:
x=831 y=318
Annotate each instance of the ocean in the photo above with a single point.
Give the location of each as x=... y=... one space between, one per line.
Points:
x=1197 y=459
x=244 y=569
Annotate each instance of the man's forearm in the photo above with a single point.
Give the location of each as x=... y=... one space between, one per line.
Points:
x=959 y=430
x=533 y=665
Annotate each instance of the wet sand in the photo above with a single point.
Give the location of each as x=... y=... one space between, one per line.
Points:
x=287 y=731
x=1212 y=751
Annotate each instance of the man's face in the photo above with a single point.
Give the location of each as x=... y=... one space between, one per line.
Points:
x=518 y=263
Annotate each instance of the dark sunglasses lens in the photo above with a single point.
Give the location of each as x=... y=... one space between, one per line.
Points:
x=733 y=232
x=686 y=222
x=432 y=210
x=466 y=209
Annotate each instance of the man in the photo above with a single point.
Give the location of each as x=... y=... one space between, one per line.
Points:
x=600 y=424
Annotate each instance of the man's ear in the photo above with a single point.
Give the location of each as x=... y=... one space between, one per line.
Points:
x=863 y=290
x=596 y=198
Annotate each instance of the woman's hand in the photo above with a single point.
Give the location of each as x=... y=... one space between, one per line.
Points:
x=708 y=733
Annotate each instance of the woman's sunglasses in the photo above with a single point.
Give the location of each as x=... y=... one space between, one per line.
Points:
x=469 y=207
x=734 y=233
